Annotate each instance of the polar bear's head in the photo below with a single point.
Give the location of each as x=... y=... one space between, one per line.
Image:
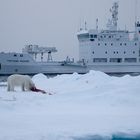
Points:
x=31 y=85
x=28 y=82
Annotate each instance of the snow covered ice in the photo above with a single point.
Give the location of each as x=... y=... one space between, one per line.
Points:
x=90 y=106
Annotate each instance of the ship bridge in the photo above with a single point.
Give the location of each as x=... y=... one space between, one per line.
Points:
x=35 y=49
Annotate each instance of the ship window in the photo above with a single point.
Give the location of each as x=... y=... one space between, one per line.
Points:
x=111 y=44
x=95 y=36
x=133 y=52
x=12 y=60
x=109 y=36
x=130 y=60
x=124 y=52
x=24 y=60
x=105 y=44
x=15 y=55
x=21 y=55
x=16 y=70
x=106 y=52
x=93 y=52
x=116 y=60
x=135 y=44
x=83 y=36
x=120 y=44
x=98 y=44
x=91 y=39
x=138 y=25
x=99 y=60
x=91 y=36
x=125 y=44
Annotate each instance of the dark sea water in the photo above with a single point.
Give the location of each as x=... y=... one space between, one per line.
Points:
x=113 y=137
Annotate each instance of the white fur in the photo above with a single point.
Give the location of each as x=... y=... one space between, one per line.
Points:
x=24 y=81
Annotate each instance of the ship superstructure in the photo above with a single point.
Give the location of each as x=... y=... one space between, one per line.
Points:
x=34 y=50
x=110 y=50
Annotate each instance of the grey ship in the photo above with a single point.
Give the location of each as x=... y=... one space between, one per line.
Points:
x=26 y=63
x=109 y=51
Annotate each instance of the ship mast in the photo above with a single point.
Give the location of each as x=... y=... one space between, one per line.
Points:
x=136 y=11
x=112 y=24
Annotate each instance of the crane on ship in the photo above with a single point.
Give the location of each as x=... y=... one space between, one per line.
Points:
x=36 y=49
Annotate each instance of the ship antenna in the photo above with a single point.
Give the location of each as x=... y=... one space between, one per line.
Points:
x=85 y=25
x=136 y=2
x=112 y=23
x=97 y=24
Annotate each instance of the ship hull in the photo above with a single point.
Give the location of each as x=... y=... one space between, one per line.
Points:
x=62 y=68
x=11 y=63
x=46 y=68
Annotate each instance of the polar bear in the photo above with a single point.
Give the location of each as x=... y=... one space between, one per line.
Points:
x=24 y=81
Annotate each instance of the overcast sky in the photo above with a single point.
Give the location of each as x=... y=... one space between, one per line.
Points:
x=54 y=23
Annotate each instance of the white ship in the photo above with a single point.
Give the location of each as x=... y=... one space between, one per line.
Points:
x=110 y=51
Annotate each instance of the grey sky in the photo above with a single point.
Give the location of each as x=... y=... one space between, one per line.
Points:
x=56 y=22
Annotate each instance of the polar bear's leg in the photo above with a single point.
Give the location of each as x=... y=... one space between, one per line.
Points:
x=11 y=83
x=23 y=87
x=8 y=87
x=27 y=86
x=11 y=87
